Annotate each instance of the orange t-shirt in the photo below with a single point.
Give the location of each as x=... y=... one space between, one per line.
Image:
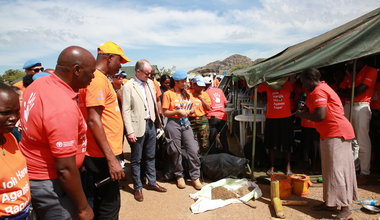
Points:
x=20 y=85
x=216 y=82
x=375 y=101
x=278 y=101
x=52 y=127
x=334 y=124
x=14 y=180
x=366 y=76
x=101 y=93
x=158 y=90
x=199 y=110
x=173 y=101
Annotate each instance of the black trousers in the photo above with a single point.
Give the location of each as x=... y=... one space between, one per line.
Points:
x=310 y=145
x=218 y=125
x=106 y=198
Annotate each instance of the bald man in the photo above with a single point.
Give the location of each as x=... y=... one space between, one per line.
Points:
x=54 y=137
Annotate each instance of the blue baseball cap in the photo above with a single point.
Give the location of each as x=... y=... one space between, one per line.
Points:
x=39 y=75
x=122 y=73
x=31 y=63
x=199 y=80
x=179 y=75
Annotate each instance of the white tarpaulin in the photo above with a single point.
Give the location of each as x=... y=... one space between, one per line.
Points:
x=205 y=203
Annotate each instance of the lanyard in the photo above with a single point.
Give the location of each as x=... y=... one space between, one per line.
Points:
x=182 y=105
x=182 y=102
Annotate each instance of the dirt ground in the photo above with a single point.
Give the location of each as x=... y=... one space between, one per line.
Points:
x=175 y=204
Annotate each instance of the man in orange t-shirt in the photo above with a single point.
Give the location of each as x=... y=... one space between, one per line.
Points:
x=99 y=105
x=198 y=120
x=361 y=112
x=54 y=137
x=14 y=181
x=279 y=123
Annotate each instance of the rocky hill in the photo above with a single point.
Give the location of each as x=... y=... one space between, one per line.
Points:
x=226 y=65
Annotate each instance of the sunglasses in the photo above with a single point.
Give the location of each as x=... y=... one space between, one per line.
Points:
x=36 y=70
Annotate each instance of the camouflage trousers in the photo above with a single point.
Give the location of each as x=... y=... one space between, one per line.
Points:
x=201 y=132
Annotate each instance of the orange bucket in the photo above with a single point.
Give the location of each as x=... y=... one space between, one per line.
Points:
x=285 y=185
x=301 y=184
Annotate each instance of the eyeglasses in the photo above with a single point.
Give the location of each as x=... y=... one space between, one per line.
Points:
x=146 y=73
x=36 y=70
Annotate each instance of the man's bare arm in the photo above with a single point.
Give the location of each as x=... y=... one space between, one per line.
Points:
x=69 y=178
x=96 y=127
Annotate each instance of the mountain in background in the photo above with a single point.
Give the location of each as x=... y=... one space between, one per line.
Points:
x=228 y=65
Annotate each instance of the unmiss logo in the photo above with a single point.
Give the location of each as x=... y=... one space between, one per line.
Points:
x=59 y=144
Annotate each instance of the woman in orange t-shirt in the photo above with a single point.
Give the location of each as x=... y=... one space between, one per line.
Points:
x=14 y=181
x=176 y=105
x=336 y=134
x=198 y=120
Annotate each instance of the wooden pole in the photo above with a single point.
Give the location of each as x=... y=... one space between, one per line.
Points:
x=352 y=90
x=278 y=207
x=254 y=132
x=274 y=189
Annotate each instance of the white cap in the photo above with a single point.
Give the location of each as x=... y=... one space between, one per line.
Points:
x=207 y=80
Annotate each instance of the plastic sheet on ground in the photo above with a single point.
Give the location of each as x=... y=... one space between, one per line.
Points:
x=205 y=203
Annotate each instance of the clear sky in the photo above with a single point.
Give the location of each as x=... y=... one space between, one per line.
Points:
x=185 y=34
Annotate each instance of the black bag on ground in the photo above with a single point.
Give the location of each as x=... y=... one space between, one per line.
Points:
x=218 y=166
x=261 y=156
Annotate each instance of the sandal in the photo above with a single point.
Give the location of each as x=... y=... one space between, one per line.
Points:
x=344 y=215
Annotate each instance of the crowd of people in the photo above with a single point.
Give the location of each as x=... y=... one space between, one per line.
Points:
x=65 y=156
x=70 y=123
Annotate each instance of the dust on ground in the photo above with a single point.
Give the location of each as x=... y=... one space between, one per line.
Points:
x=175 y=203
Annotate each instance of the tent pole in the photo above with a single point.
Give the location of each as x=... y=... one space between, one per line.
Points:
x=254 y=132
x=236 y=87
x=352 y=90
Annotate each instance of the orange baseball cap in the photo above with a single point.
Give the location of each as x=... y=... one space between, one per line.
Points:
x=112 y=48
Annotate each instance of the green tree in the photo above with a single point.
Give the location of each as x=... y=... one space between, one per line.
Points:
x=11 y=75
x=166 y=71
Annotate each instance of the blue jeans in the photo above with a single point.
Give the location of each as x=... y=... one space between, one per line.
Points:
x=143 y=153
x=24 y=215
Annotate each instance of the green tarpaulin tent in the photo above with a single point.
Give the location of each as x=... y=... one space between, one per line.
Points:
x=357 y=38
